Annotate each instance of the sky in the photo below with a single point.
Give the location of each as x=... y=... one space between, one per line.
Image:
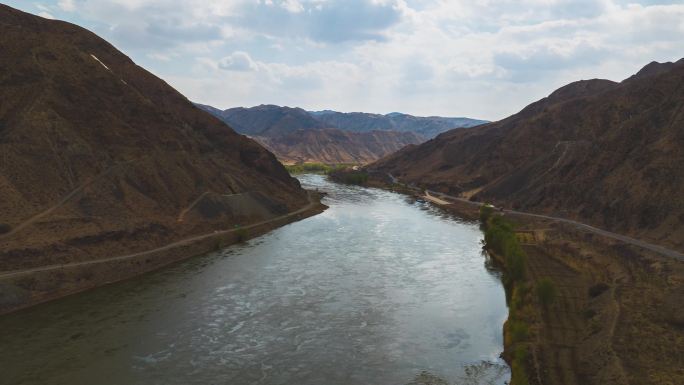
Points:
x=477 y=58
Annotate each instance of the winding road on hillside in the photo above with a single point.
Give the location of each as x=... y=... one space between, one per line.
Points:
x=31 y=220
x=183 y=242
x=623 y=238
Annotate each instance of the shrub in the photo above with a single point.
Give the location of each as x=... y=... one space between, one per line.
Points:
x=500 y=238
x=519 y=331
x=358 y=177
x=518 y=297
x=589 y=313
x=598 y=289
x=546 y=291
x=486 y=212
x=515 y=264
x=518 y=372
x=241 y=234
x=315 y=168
x=308 y=168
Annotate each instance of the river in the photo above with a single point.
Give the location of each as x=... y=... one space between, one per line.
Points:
x=379 y=289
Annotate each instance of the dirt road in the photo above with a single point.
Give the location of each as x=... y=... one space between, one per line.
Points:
x=16 y=273
x=623 y=238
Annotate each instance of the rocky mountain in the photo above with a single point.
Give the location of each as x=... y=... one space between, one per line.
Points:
x=265 y=120
x=428 y=127
x=334 y=146
x=295 y=135
x=609 y=154
x=99 y=157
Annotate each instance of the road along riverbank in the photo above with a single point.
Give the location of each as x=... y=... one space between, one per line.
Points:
x=613 y=317
x=23 y=288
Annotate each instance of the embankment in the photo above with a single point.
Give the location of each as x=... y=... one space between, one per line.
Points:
x=585 y=308
x=589 y=309
x=24 y=288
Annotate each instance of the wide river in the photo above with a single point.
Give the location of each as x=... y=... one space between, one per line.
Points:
x=379 y=289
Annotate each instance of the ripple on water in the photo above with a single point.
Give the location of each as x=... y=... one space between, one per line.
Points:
x=378 y=289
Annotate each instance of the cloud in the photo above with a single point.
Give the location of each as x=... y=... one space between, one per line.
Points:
x=237 y=61
x=67 y=5
x=330 y=21
x=177 y=29
x=484 y=58
x=535 y=62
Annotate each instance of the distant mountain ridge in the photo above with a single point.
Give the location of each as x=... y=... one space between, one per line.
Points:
x=266 y=120
x=426 y=126
x=259 y=119
x=296 y=135
x=602 y=152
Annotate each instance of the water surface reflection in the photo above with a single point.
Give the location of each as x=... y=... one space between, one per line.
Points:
x=376 y=290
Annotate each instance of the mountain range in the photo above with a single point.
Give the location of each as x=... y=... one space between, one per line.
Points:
x=428 y=127
x=298 y=136
x=606 y=153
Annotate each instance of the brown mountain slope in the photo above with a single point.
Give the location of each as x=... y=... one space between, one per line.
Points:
x=99 y=157
x=606 y=153
x=332 y=145
x=295 y=135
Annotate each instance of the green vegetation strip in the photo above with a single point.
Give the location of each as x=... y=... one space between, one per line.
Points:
x=355 y=177
x=314 y=168
x=501 y=240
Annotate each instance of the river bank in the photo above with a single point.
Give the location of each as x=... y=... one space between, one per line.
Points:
x=378 y=289
x=28 y=287
x=614 y=319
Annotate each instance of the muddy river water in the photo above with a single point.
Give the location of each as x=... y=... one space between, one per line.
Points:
x=379 y=289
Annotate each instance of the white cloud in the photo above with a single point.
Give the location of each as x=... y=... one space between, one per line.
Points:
x=237 y=61
x=67 y=5
x=484 y=58
x=293 y=6
x=329 y=21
